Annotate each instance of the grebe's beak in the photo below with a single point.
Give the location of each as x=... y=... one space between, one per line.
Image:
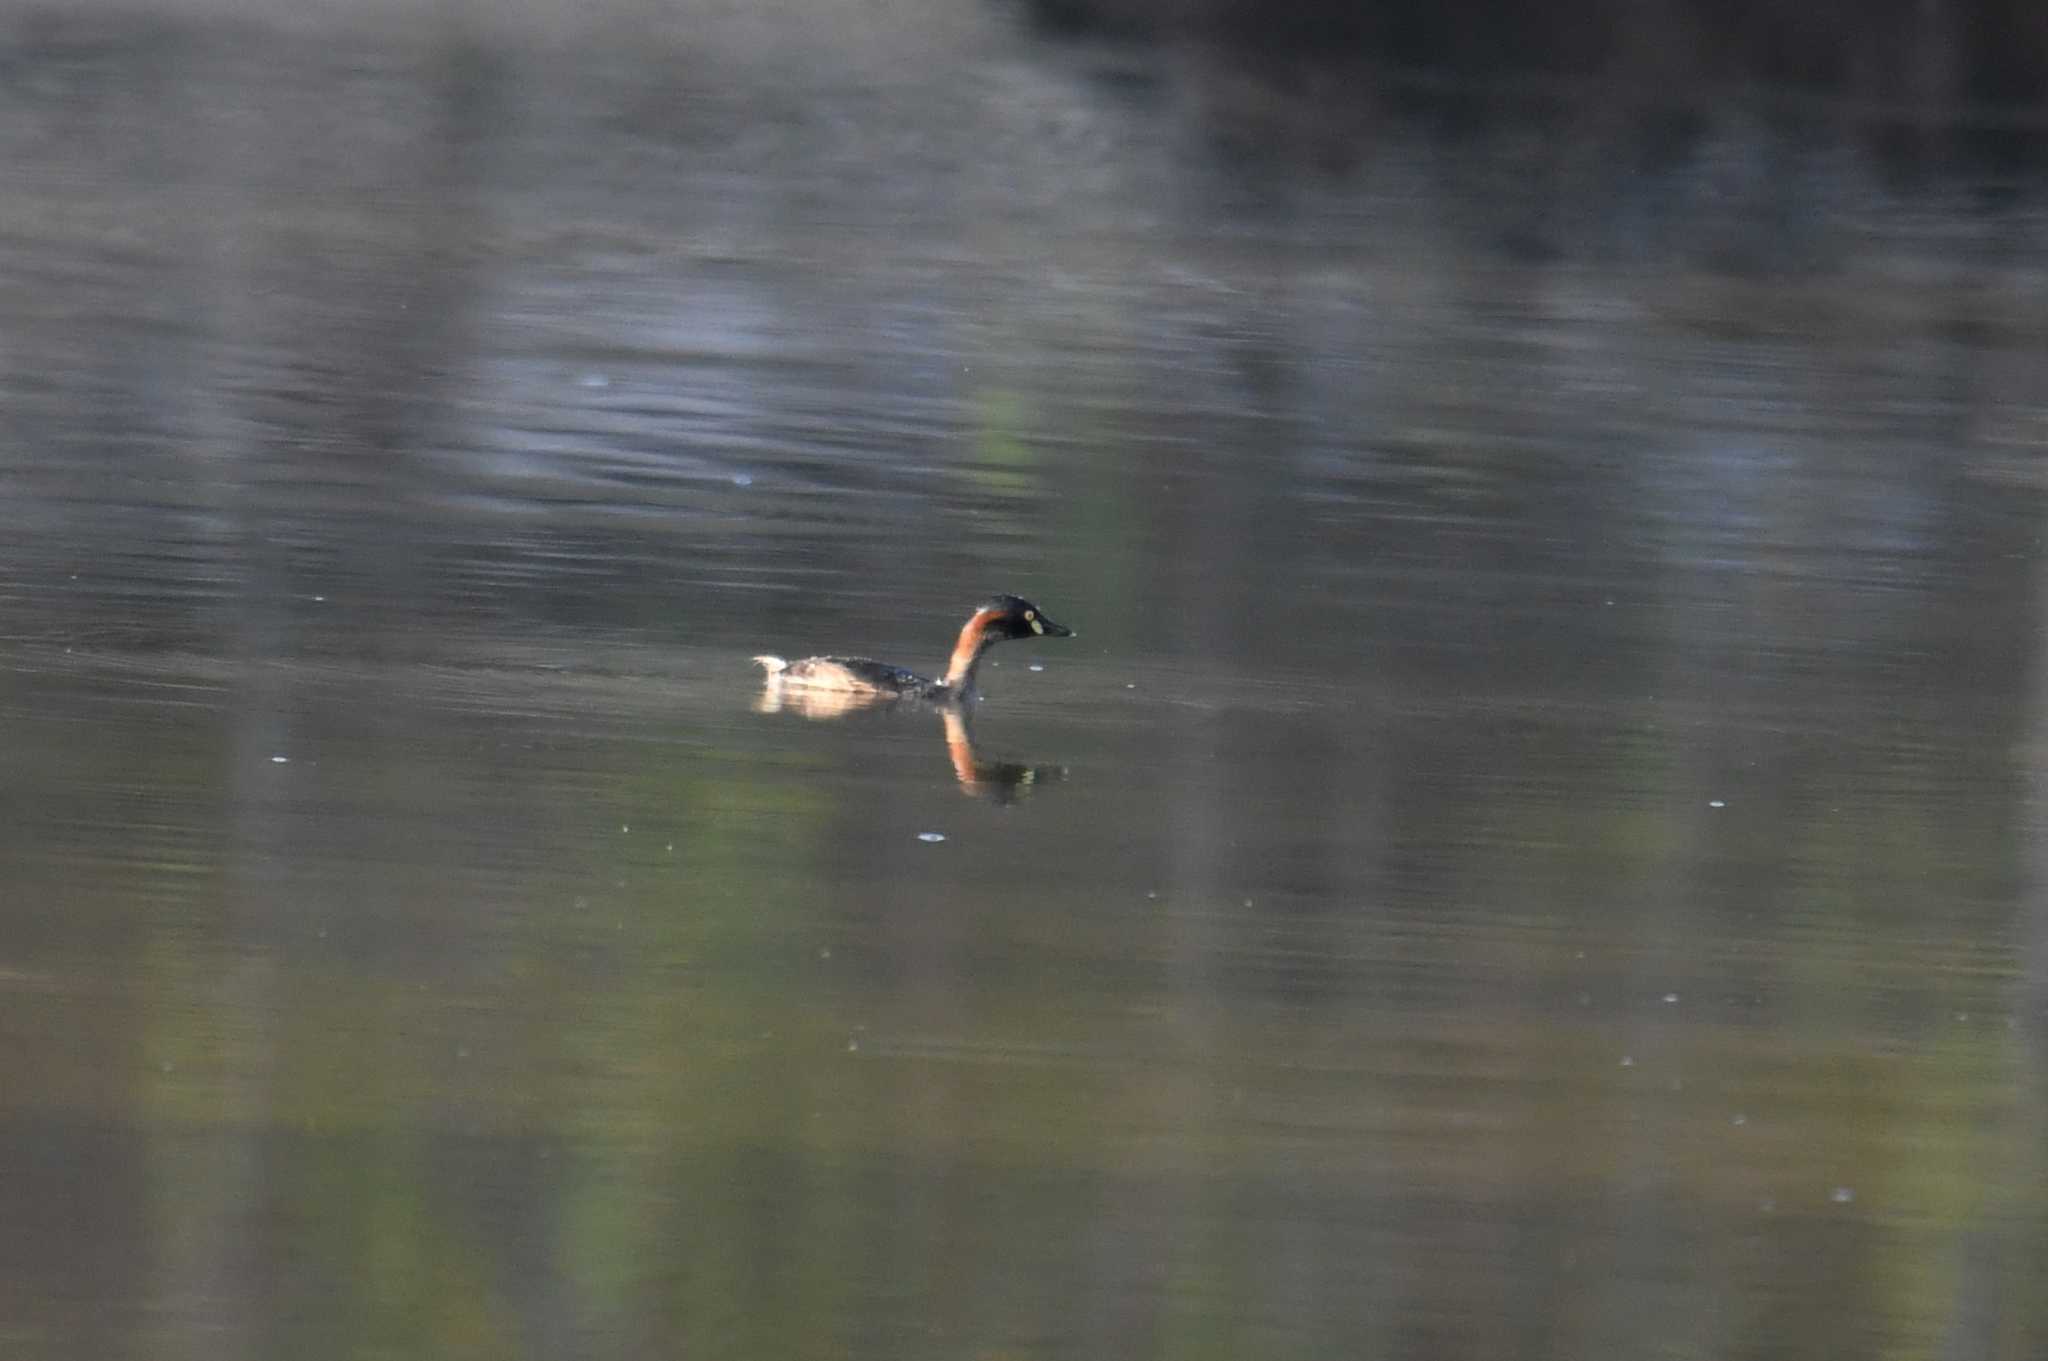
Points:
x=1045 y=628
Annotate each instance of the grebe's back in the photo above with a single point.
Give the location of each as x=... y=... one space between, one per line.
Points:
x=855 y=675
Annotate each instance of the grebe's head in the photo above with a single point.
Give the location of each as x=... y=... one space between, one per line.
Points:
x=1012 y=616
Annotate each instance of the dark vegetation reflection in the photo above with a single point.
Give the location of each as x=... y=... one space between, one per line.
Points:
x=1553 y=503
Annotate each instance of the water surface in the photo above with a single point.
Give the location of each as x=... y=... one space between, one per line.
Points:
x=1532 y=852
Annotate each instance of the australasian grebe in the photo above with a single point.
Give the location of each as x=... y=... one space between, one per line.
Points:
x=1000 y=617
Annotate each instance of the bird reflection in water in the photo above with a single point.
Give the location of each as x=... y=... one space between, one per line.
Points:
x=1000 y=782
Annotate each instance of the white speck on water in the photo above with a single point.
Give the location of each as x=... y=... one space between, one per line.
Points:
x=280 y=760
x=1717 y=803
x=462 y=1051
x=320 y=600
x=853 y=1046
x=743 y=479
x=824 y=952
x=593 y=380
x=1628 y=1061
x=1842 y=1195
x=624 y=828
x=1738 y=1119
x=1130 y=687
x=1670 y=997
x=1037 y=666
x=670 y=846
x=931 y=836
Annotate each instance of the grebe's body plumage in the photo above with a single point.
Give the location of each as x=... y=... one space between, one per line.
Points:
x=998 y=618
x=855 y=675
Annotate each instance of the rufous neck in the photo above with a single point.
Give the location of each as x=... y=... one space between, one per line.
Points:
x=974 y=641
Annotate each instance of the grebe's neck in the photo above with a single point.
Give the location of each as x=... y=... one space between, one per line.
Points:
x=974 y=641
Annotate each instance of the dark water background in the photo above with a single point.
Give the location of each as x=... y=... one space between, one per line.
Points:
x=1535 y=851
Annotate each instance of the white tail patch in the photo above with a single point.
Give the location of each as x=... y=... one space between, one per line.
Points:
x=773 y=665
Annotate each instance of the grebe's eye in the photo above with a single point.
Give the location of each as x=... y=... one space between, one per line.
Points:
x=1030 y=615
